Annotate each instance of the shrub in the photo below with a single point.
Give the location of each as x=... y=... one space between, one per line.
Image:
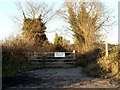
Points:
x=106 y=67
x=14 y=60
x=88 y=57
x=110 y=63
x=95 y=70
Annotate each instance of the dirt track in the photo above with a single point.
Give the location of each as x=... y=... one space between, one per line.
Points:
x=58 y=78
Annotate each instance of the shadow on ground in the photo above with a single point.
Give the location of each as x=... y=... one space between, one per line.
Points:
x=54 y=78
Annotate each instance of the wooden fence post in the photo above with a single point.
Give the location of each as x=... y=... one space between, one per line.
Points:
x=44 y=59
x=106 y=48
x=74 y=57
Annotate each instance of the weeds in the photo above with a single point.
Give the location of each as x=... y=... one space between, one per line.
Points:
x=106 y=67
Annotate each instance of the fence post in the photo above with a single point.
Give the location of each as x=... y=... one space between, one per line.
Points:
x=44 y=59
x=74 y=57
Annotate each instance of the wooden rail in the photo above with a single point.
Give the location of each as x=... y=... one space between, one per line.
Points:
x=47 y=58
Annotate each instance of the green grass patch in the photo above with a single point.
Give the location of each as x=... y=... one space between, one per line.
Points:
x=12 y=68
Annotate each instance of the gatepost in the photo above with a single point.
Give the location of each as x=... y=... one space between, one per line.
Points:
x=44 y=59
x=74 y=57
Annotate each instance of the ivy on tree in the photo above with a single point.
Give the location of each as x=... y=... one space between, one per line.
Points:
x=34 y=29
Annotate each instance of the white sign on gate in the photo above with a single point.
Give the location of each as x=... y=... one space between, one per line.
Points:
x=59 y=54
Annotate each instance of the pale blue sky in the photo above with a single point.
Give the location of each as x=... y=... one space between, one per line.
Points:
x=8 y=28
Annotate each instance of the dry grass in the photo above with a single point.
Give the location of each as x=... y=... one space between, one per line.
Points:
x=107 y=67
x=111 y=63
x=95 y=61
x=14 y=61
x=86 y=58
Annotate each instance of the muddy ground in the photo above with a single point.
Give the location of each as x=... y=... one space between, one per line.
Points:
x=56 y=78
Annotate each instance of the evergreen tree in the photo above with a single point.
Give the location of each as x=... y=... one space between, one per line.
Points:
x=58 y=42
x=34 y=29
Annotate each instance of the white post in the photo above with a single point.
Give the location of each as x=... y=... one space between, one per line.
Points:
x=74 y=57
x=106 y=46
x=74 y=54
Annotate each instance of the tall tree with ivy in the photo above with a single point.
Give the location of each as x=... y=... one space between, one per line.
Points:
x=34 y=29
x=86 y=20
x=35 y=16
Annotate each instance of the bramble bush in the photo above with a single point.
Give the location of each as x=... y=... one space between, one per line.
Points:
x=13 y=59
x=106 y=67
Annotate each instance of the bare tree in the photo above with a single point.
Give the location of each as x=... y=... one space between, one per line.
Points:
x=35 y=15
x=30 y=9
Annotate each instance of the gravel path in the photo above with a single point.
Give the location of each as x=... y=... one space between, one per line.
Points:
x=58 y=78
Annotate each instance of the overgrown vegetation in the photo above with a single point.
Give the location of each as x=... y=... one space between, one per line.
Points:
x=33 y=39
x=58 y=43
x=86 y=20
x=106 y=67
x=111 y=63
x=34 y=29
x=88 y=57
x=14 y=61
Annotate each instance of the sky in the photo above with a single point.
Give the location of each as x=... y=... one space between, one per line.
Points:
x=8 y=28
